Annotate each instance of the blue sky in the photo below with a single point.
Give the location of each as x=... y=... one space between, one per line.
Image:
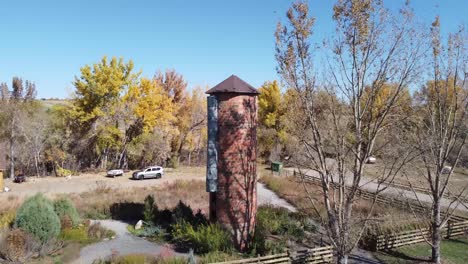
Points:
x=48 y=41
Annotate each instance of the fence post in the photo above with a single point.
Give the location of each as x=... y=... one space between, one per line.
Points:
x=449 y=229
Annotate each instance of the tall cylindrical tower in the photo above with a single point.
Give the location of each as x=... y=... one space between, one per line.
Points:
x=232 y=146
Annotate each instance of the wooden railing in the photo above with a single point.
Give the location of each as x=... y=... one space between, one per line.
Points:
x=424 y=190
x=419 y=235
x=312 y=256
x=458 y=225
x=381 y=198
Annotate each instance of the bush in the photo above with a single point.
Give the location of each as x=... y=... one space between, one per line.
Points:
x=97 y=232
x=279 y=221
x=37 y=217
x=7 y=219
x=61 y=172
x=65 y=208
x=148 y=214
x=18 y=246
x=79 y=234
x=217 y=256
x=204 y=239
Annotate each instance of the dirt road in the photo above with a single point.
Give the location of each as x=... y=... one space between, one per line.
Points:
x=88 y=181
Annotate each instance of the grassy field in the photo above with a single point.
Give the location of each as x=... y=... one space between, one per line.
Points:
x=454 y=251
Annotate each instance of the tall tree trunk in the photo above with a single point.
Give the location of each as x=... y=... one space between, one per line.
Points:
x=342 y=259
x=435 y=228
x=12 y=157
x=36 y=164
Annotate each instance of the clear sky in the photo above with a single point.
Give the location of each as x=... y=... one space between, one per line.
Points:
x=48 y=41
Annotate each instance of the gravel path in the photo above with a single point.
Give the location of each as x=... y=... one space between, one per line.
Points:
x=125 y=243
x=267 y=197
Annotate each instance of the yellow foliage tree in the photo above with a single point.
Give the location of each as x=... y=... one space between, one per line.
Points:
x=150 y=104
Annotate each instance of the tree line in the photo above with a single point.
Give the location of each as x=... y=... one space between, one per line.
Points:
x=115 y=119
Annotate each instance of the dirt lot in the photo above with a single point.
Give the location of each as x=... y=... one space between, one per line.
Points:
x=88 y=181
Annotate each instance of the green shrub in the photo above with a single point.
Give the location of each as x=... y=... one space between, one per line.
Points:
x=204 y=239
x=216 y=256
x=279 y=221
x=148 y=214
x=7 y=219
x=64 y=207
x=173 y=162
x=79 y=234
x=61 y=172
x=37 y=217
x=152 y=231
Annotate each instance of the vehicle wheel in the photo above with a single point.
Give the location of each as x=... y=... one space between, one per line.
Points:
x=140 y=177
x=158 y=176
x=114 y=176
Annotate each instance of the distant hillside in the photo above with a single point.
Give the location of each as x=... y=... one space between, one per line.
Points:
x=48 y=103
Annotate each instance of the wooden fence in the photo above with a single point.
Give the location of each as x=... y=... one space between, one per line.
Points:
x=312 y=256
x=423 y=190
x=381 y=198
x=458 y=225
x=419 y=235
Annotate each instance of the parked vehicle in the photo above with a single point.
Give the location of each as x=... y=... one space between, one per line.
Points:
x=19 y=178
x=114 y=173
x=155 y=172
x=371 y=160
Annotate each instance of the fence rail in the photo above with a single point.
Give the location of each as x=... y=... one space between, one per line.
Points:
x=423 y=190
x=419 y=235
x=380 y=198
x=458 y=225
x=317 y=255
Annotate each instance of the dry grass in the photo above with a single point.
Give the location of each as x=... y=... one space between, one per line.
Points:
x=387 y=218
x=97 y=203
x=10 y=203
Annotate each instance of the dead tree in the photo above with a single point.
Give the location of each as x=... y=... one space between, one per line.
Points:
x=442 y=127
x=344 y=116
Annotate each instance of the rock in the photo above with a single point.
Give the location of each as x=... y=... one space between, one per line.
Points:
x=139 y=225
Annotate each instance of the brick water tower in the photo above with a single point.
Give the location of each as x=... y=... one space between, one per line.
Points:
x=232 y=154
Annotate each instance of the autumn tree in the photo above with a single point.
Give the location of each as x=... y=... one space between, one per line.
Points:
x=271 y=114
x=94 y=108
x=187 y=119
x=16 y=104
x=371 y=47
x=442 y=126
x=151 y=111
x=194 y=131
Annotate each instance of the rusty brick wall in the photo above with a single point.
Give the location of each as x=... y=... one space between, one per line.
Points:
x=236 y=198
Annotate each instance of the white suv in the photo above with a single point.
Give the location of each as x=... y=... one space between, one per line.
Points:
x=151 y=172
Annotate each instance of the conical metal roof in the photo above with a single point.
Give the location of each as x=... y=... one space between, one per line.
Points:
x=233 y=84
